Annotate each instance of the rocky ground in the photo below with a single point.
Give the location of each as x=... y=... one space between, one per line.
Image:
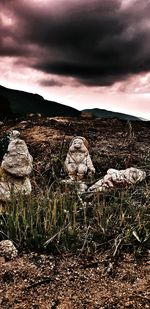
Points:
x=73 y=281
x=113 y=143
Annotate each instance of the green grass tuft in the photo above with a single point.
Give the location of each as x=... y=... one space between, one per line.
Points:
x=52 y=220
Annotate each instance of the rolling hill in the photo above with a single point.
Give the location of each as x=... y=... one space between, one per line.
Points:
x=20 y=103
x=102 y=113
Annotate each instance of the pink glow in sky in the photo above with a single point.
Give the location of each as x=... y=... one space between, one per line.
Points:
x=89 y=53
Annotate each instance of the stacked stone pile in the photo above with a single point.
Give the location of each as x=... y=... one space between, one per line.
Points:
x=15 y=169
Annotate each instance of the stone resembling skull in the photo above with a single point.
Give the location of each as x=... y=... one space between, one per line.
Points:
x=78 y=162
x=115 y=178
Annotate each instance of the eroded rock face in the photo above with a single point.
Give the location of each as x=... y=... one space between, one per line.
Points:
x=8 y=250
x=114 y=178
x=78 y=162
x=17 y=161
x=11 y=186
x=15 y=168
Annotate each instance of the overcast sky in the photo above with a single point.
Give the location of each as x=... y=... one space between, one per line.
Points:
x=83 y=53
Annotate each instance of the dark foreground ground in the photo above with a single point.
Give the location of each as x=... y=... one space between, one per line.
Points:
x=74 y=281
x=67 y=282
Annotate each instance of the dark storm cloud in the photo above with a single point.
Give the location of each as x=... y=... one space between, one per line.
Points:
x=51 y=83
x=97 y=42
x=11 y=40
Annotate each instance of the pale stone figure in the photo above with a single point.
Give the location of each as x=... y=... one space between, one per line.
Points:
x=114 y=178
x=78 y=162
x=15 y=169
x=17 y=161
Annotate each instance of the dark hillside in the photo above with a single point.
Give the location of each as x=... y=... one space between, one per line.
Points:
x=15 y=102
x=102 y=113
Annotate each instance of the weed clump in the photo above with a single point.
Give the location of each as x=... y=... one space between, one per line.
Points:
x=54 y=221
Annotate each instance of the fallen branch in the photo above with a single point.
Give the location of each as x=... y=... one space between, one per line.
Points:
x=34 y=284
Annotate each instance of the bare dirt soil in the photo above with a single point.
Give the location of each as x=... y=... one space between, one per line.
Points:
x=68 y=281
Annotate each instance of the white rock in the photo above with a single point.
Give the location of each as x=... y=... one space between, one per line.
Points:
x=7 y=249
x=23 y=122
x=11 y=186
x=115 y=177
x=17 y=161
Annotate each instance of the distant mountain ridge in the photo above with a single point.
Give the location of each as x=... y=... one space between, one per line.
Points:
x=20 y=103
x=103 y=113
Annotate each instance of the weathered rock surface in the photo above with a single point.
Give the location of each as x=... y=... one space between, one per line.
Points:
x=8 y=250
x=11 y=186
x=17 y=161
x=15 y=168
x=78 y=163
x=114 y=178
